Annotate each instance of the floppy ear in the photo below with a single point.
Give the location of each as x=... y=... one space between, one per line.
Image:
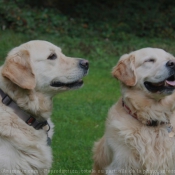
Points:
x=125 y=71
x=17 y=68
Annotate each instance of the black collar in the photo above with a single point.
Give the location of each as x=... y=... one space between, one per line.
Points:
x=26 y=117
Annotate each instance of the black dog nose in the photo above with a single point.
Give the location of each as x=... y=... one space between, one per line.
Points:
x=171 y=64
x=84 y=64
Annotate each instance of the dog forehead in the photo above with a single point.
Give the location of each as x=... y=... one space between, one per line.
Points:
x=148 y=53
x=36 y=47
x=42 y=45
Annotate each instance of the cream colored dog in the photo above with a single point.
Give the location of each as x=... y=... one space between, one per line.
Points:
x=32 y=74
x=139 y=136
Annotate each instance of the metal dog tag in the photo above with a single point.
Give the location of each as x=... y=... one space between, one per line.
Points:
x=49 y=141
x=170 y=131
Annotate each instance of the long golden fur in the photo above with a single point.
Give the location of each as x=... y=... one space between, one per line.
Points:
x=32 y=74
x=129 y=145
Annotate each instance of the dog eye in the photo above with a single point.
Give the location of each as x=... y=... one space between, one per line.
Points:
x=152 y=60
x=53 y=56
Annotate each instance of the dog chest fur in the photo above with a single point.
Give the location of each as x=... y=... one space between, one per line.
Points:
x=22 y=147
x=135 y=147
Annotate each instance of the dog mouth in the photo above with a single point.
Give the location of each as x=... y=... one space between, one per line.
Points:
x=74 y=84
x=167 y=85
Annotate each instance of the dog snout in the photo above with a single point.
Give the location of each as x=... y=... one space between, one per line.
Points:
x=84 y=64
x=171 y=64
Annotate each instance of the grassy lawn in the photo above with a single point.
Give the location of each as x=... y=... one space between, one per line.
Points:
x=79 y=115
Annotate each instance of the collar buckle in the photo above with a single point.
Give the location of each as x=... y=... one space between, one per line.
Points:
x=38 y=125
x=30 y=121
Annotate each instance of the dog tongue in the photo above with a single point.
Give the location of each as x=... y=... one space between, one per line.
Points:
x=172 y=83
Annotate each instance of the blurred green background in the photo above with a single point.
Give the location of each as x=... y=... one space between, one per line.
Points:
x=100 y=31
x=112 y=19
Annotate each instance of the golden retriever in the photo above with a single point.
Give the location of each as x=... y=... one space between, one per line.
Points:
x=32 y=74
x=139 y=136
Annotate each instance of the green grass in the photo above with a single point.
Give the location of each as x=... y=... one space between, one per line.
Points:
x=79 y=116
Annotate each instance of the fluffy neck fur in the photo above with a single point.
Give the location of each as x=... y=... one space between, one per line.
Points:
x=146 y=108
x=36 y=103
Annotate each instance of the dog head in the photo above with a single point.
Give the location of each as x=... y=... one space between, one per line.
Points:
x=151 y=70
x=42 y=66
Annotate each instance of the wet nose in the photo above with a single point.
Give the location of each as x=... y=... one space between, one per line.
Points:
x=171 y=64
x=84 y=64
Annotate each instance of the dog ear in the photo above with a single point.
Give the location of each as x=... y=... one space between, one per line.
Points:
x=125 y=71
x=17 y=68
